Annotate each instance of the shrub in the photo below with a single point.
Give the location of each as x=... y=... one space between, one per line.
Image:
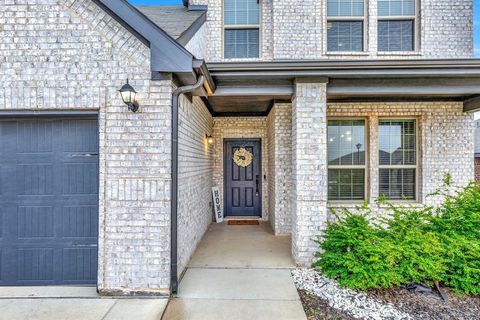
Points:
x=457 y=223
x=357 y=255
x=419 y=244
x=419 y=250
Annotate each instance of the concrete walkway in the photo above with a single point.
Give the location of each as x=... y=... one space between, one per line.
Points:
x=237 y=273
x=73 y=303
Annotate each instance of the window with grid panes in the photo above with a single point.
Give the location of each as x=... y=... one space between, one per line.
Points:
x=345 y=25
x=398 y=159
x=346 y=159
x=241 y=28
x=396 y=25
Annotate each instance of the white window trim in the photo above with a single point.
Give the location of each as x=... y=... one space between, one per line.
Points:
x=416 y=29
x=417 y=159
x=364 y=166
x=243 y=26
x=363 y=19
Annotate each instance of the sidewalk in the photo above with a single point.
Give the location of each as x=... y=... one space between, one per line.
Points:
x=237 y=273
x=73 y=303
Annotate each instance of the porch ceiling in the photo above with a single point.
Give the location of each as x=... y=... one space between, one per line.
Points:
x=251 y=88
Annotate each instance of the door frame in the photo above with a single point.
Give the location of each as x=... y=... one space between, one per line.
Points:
x=224 y=155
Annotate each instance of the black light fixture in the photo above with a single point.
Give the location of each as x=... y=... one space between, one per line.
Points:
x=209 y=139
x=129 y=95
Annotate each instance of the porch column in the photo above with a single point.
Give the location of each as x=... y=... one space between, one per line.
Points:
x=309 y=142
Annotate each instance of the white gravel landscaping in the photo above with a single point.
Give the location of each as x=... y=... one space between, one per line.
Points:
x=357 y=304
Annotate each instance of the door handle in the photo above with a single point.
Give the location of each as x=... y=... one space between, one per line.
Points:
x=84 y=155
x=257 y=183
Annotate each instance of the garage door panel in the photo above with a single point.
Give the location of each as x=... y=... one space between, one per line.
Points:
x=75 y=142
x=80 y=179
x=1 y=225
x=35 y=179
x=36 y=222
x=48 y=202
x=79 y=264
x=35 y=264
x=35 y=136
x=80 y=222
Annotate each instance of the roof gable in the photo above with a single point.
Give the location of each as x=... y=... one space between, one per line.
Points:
x=167 y=55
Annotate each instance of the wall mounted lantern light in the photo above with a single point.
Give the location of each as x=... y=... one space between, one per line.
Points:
x=129 y=95
x=209 y=139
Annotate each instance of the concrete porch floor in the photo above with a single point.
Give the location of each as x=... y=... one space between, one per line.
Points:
x=236 y=273
x=250 y=246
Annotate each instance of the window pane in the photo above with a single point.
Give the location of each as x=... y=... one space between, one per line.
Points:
x=397 y=184
x=346 y=142
x=390 y=8
x=241 y=43
x=345 y=8
x=346 y=184
x=345 y=36
x=241 y=12
x=397 y=142
x=396 y=35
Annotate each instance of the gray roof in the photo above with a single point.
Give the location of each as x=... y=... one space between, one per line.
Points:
x=176 y=21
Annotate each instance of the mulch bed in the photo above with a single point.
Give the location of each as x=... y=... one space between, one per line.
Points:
x=418 y=306
x=428 y=307
x=318 y=309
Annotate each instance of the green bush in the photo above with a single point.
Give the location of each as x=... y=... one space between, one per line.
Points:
x=420 y=244
x=357 y=255
x=419 y=250
x=457 y=223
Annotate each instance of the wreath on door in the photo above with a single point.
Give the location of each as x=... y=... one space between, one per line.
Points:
x=242 y=157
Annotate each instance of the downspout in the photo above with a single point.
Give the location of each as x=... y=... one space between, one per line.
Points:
x=174 y=191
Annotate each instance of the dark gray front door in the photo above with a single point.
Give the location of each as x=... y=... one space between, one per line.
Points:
x=243 y=184
x=48 y=201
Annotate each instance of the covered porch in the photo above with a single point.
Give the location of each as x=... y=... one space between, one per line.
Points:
x=279 y=112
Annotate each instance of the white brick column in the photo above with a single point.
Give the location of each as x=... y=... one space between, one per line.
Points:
x=309 y=142
x=279 y=130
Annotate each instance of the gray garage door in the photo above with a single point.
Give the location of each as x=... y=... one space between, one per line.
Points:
x=49 y=201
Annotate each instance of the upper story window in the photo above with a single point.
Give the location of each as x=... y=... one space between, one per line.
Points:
x=241 y=29
x=397 y=21
x=345 y=25
x=346 y=159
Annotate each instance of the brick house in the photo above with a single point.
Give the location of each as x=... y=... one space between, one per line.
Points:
x=289 y=107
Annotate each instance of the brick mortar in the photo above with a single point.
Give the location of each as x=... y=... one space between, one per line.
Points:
x=292 y=29
x=279 y=130
x=195 y=177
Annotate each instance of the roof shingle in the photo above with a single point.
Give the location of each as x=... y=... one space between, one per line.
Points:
x=174 y=20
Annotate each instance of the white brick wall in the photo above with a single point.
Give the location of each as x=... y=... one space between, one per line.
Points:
x=309 y=144
x=279 y=127
x=445 y=138
x=57 y=55
x=292 y=29
x=197 y=45
x=195 y=177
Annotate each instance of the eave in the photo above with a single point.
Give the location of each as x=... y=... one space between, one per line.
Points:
x=386 y=80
